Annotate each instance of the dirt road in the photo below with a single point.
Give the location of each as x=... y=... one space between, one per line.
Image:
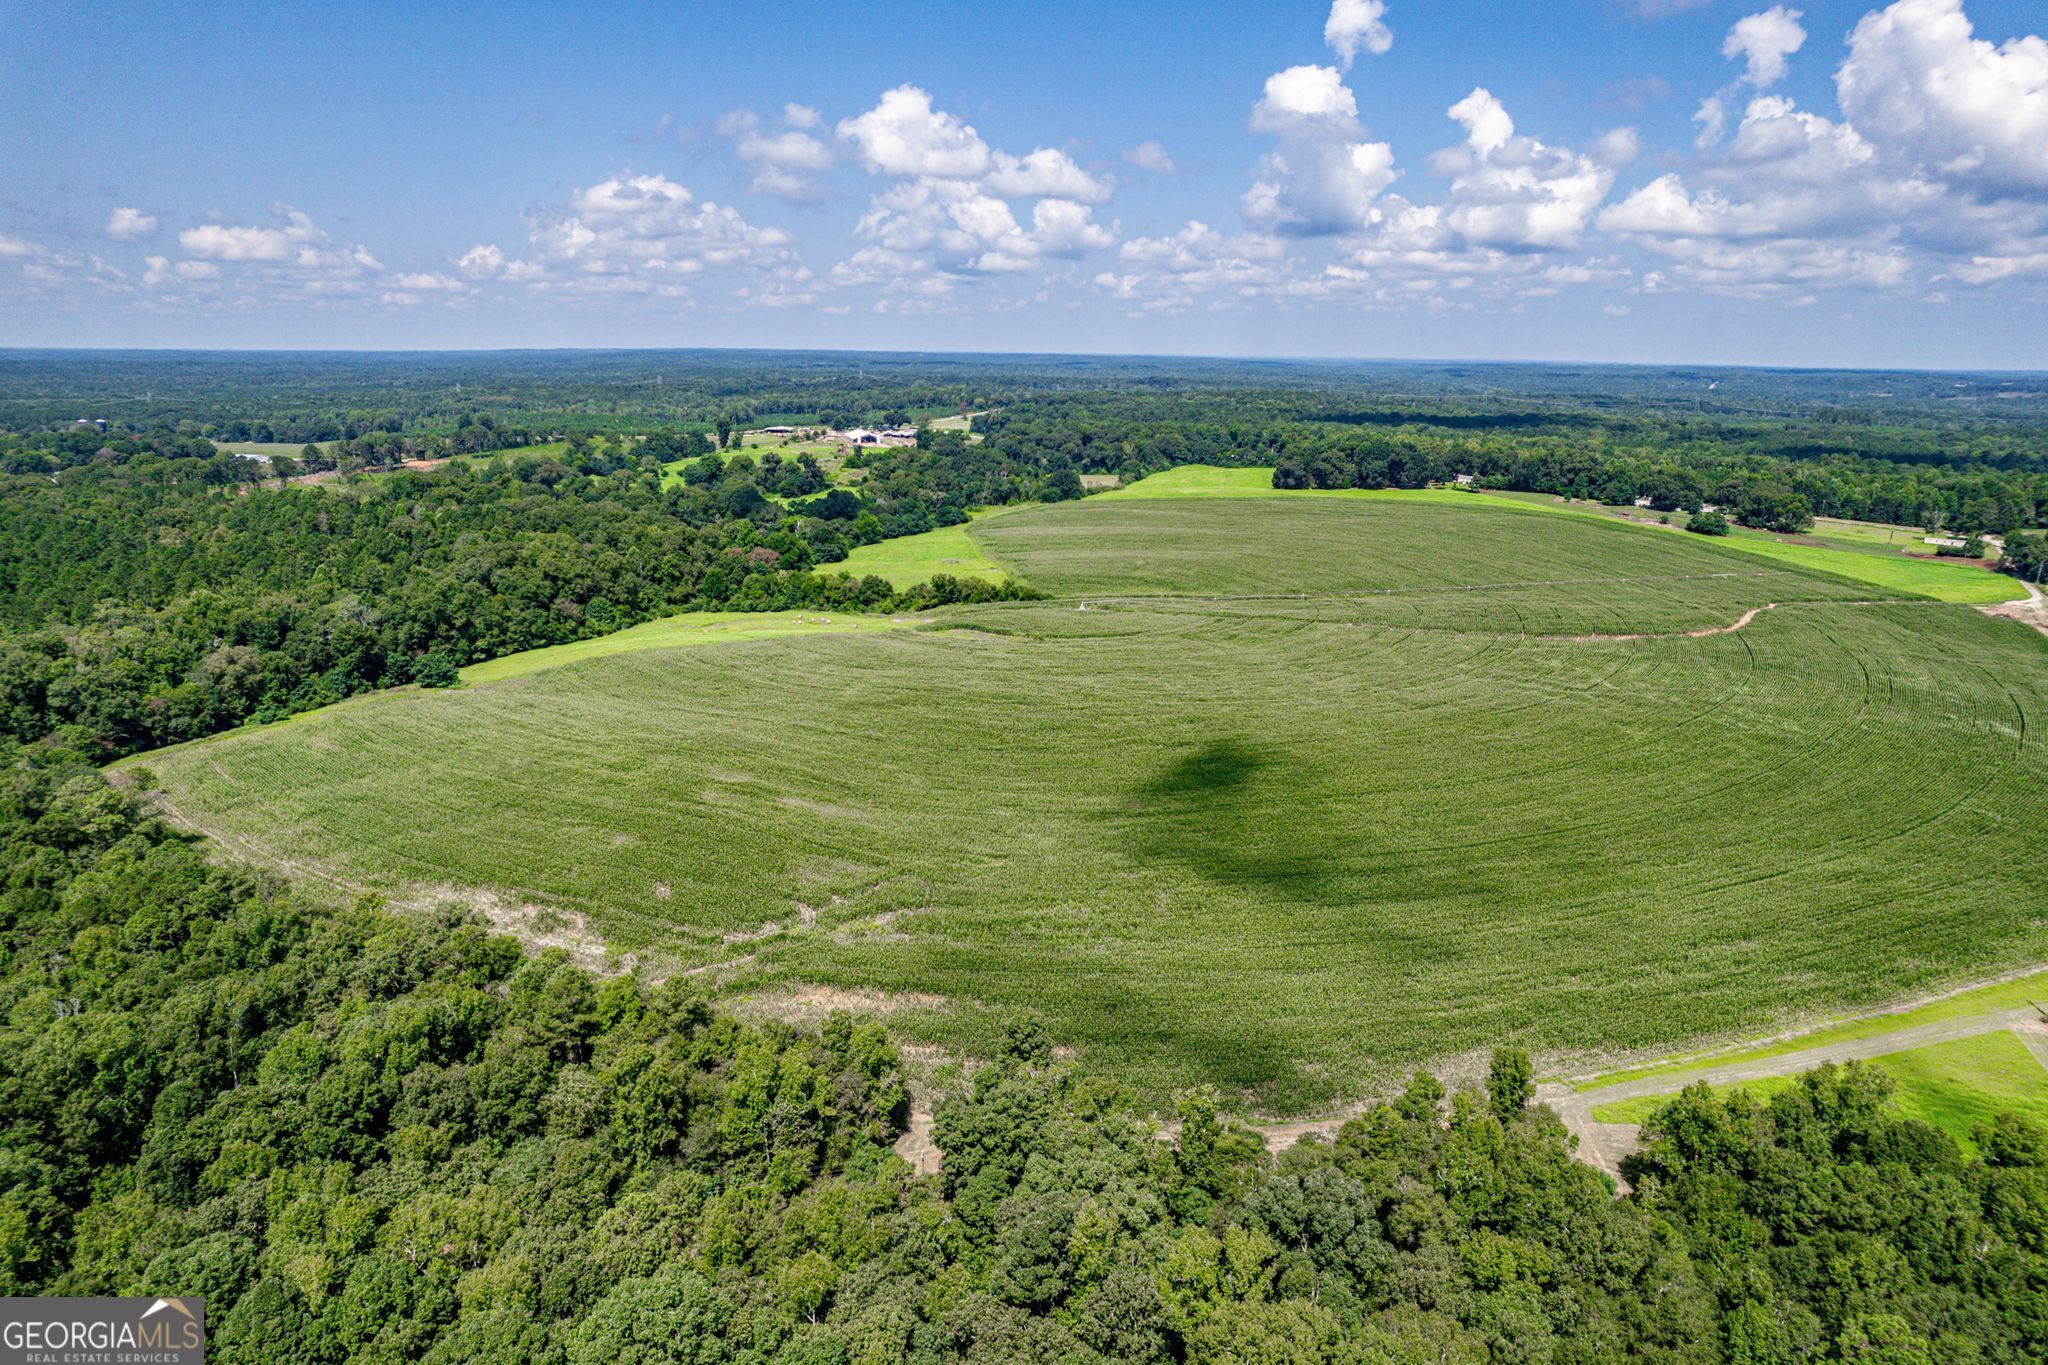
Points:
x=1605 y=1145
x=2033 y=611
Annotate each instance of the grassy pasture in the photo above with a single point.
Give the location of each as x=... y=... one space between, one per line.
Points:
x=291 y=448
x=540 y=450
x=1954 y=1085
x=909 y=560
x=1311 y=792
x=957 y=422
x=1948 y=582
x=1876 y=535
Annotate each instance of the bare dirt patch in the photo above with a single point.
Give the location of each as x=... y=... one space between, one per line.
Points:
x=537 y=927
x=809 y=1003
x=2032 y=612
x=915 y=1143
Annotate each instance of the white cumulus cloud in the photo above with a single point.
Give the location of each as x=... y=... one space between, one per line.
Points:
x=1920 y=83
x=904 y=135
x=635 y=234
x=1356 y=26
x=131 y=225
x=1046 y=172
x=278 y=242
x=1151 y=155
x=1764 y=41
x=1322 y=178
x=1513 y=192
x=1305 y=97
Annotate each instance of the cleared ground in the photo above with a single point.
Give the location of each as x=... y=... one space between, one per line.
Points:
x=1284 y=794
x=266 y=447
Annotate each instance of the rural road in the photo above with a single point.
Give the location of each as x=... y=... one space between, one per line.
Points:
x=1605 y=1145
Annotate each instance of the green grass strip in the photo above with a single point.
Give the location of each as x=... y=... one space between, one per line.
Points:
x=1983 y=1000
x=1954 y=1085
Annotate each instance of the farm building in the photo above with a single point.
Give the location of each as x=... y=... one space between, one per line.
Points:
x=861 y=436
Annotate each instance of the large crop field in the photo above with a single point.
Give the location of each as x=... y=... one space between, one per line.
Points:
x=1277 y=793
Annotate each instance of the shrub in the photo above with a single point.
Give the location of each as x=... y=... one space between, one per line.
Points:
x=436 y=669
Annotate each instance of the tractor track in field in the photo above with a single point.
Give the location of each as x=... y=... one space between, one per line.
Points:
x=1701 y=634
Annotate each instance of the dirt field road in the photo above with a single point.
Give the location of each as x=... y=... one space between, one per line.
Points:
x=1605 y=1145
x=2033 y=611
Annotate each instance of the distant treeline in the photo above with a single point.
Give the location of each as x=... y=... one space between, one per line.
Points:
x=380 y=1138
x=297 y=397
x=1967 y=479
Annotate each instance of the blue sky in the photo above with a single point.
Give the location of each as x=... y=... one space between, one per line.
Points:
x=1656 y=180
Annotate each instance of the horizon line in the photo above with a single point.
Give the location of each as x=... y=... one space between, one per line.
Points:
x=1157 y=356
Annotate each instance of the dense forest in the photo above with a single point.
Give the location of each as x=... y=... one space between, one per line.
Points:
x=367 y=1136
x=154 y=589
x=148 y=600
x=311 y=396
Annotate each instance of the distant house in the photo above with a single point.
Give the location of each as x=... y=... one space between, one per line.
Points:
x=861 y=436
x=1467 y=479
x=1642 y=502
x=778 y=431
x=1951 y=542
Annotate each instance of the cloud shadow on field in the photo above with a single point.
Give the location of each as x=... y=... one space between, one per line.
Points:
x=1222 y=811
x=1207 y=773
